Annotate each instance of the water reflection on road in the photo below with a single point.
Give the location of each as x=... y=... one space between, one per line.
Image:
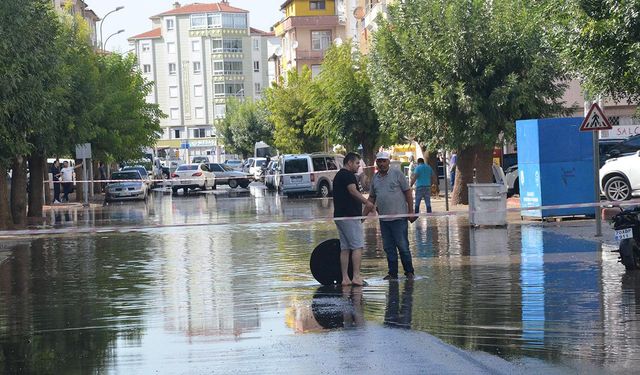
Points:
x=222 y=296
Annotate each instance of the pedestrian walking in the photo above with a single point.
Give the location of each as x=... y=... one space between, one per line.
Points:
x=391 y=193
x=67 y=179
x=55 y=177
x=452 y=167
x=102 y=171
x=423 y=177
x=347 y=202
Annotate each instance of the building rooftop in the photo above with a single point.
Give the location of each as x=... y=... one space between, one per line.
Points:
x=201 y=8
x=260 y=32
x=155 y=33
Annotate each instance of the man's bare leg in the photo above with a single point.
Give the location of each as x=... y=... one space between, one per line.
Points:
x=356 y=259
x=344 y=266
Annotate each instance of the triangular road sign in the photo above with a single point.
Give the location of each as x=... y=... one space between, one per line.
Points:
x=595 y=120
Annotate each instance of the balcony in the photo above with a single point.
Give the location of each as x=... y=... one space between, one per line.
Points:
x=306 y=22
x=307 y=55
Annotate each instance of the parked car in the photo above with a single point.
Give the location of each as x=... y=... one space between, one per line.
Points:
x=625 y=147
x=225 y=175
x=202 y=159
x=255 y=167
x=130 y=185
x=512 y=180
x=309 y=173
x=620 y=177
x=270 y=180
x=192 y=176
x=143 y=172
x=235 y=164
x=606 y=145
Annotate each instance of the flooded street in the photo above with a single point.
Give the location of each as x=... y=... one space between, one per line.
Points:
x=216 y=283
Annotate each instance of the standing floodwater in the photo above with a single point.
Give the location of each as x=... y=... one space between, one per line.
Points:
x=184 y=297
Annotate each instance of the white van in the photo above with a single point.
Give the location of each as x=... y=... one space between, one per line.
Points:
x=308 y=173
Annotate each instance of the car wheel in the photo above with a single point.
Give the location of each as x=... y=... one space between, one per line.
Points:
x=617 y=189
x=630 y=254
x=214 y=186
x=323 y=190
x=174 y=190
x=233 y=184
x=244 y=184
x=185 y=191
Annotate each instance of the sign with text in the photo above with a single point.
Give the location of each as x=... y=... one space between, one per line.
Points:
x=83 y=151
x=595 y=120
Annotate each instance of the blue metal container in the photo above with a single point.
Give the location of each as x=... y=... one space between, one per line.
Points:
x=555 y=166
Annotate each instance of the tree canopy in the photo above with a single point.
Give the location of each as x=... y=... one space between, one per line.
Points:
x=245 y=123
x=341 y=101
x=290 y=111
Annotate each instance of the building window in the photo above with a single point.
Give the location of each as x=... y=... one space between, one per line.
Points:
x=171 y=47
x=320 y=40
x=234 y=21
x=197 y=90
x=256 y=66
x=146 y=68
x=226 y=45
x=219 y=110
x=198 y=133
x=174 y=113
x=258 y=88
x=214 y=20
x=176 y=133
x=172 y=69
x=614 y=120
x=227 y=67
x=200 y=113
x=195 y=45
x=235 y=89
x=256 y=44
x=170 y=24
x=197 y=67
x=198 y=21
x=218 y=89
x=315 y=70
x=173 y=91
x=317 y=4
x=146 y=47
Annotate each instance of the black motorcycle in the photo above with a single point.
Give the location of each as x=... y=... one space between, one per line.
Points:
x=627 y=231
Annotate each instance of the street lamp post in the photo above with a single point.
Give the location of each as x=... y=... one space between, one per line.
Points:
x=102 y=23
x=109 y=37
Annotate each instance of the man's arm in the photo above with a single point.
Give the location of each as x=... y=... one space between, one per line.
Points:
x=413 y=179
x=368 y=204
x=408 y=196
x=78 y=165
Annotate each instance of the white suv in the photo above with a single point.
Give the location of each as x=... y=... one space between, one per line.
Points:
x=620 y=177
x=308 y=173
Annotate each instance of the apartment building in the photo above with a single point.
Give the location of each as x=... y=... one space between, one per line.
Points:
x=81 y=8
x=199 y=56
x=308 y=29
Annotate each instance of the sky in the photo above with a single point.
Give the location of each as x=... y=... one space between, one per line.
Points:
x=134 y=18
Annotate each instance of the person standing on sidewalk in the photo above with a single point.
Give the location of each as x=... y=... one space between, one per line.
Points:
x=67 y=179
x=423 y=177
x=391 y=193
x=347 y=202
x=55 y=176
x=452 y=167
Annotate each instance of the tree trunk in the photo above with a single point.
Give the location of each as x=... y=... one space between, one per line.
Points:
x=36 y=180
x=19 y=191
x=479 y=158
x=48 y=196
x=6 y=221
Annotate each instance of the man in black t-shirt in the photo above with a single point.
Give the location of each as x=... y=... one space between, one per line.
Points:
x=55 y=174
x=347 y=202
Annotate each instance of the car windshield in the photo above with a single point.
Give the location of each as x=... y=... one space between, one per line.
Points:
x=227 y=168
x=142 y=171
x=187 y=167
x=133 y=175
x=260 y=163
x=233 y=162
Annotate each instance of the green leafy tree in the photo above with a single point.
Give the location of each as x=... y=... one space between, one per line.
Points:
x=458 y=73
x=30 y=71
x=600 y=39
x=245 y=123
x=290 y=112
x=343 y=110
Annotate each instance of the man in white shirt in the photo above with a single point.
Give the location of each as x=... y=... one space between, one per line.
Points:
x=67 y=179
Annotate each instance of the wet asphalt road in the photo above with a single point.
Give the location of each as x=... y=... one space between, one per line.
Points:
x=215 y=284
